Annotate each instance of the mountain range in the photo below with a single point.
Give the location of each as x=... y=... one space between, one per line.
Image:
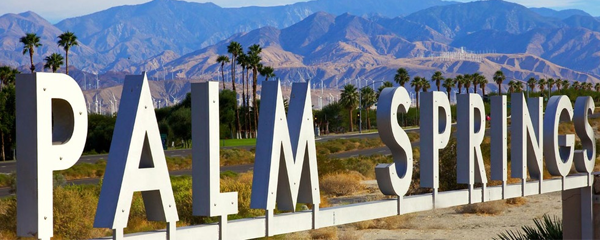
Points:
x=335 y=41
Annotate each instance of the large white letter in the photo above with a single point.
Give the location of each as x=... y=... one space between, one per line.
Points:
x=436 y=122
x=558 y=150
x=285 y=169
x=51 y=133
x=585 y=159
x=498 y=139
x=136 y=162
x=395 y=178
x=471 y=131
x=208 y=199
x=526 y=141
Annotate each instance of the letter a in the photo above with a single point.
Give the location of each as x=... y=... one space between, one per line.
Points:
x=136 y=162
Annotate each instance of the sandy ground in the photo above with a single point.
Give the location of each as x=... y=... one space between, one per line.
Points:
x=448 y=224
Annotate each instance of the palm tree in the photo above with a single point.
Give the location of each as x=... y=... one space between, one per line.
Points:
x=7 y=75
x=242 y=60
x=482 y=81
x=576 y=85
x=519 y=86
x=565 y=84
x=499 y=78
x=267 y=72
x=542 y=85
x=368 y=100
x=558 y=84
x=30 y=42
x=53 y=61
x=531 y=83
x=467 y=81
x=222 y=59
x=588 y=86
x=550 y=82
x=254 y=61
x=475 y=81
x=437 y=77
x=597 y=87
x=401 y=77
x=417 y=84
x=349 y=99
x=67 y=40
x=386 y=84
x=235 y=48
x=460 y=80
x=511 y=86
x=449 y=83
x=425 y=85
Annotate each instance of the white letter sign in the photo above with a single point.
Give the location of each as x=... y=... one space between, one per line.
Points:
x=395 y=178
x=136 y=162
x=51 y=130
x=436 y=120
x=285 y=169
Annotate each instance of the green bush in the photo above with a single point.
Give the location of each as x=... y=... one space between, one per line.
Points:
x=545 y=228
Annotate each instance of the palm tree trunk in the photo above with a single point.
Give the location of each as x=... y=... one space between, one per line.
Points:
x=254 y=102
x=67 y=61
x=248 y=102
x=237 y=112
x=417 y=100
x=499 y=89
x=475 y=88
x=223 y=74
x=448 y=92
x=32 y=68
x=351 y=124
x=483 y=90
x=244 y=107
x=3 y=155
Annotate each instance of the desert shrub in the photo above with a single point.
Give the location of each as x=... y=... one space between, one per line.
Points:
x=324 y=233
x=516 y=201
x=369 y=224
x=84 y=170
x=341 y=184
x=393 y=222
x=485 y=208
x=179 y=163
x=340 y=145
x=365 y=165
x=236 y=156
x=242 y=184
x=545 y=228
x=74 y=211
x=8 y=217
x=9 y=180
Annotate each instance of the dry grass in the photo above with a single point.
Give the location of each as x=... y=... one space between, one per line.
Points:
x=394 y=222
x=486 y=208
x=324 y=233
x=516 y=201
x=341 y=184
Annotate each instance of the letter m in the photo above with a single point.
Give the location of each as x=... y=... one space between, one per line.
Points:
x=285 y=167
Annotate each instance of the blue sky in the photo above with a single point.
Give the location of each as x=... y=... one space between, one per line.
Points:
x=56 y=11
